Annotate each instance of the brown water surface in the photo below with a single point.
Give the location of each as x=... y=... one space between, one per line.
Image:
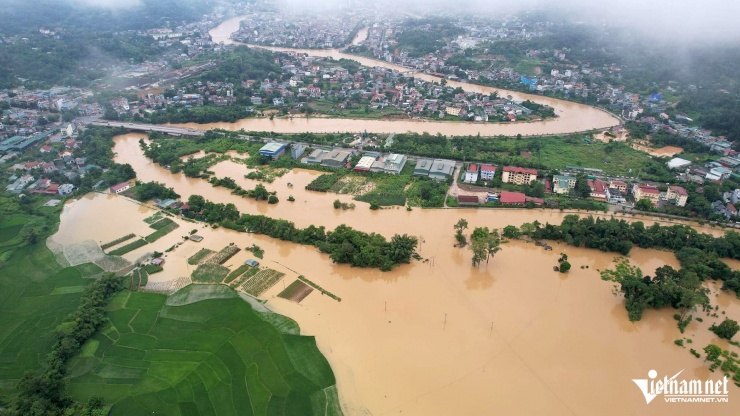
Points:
x=441 y=337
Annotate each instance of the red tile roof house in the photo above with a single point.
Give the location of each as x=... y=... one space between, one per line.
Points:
x=598 y=189
x=512 y=198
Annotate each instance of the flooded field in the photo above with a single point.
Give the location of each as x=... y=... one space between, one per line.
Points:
x=441 y=337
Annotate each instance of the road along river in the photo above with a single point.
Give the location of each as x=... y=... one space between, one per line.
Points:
x=441 y=337
x=572 y=117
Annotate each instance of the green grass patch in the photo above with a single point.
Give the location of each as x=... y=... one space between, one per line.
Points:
x=210 y=273
x=201 y=256
x=128 y=248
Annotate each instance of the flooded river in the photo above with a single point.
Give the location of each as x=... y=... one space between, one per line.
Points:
x=441 y=337
x=572 y=117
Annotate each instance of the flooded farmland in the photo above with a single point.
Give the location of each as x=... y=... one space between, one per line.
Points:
x=441 y=337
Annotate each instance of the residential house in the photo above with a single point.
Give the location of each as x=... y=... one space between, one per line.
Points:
x=563 y=184
x=65 y=189
x=471 y=174
x=677 y=196
x=117 y=189
x=648 y=192
x=619 y=185
x=487 y=172
x=518 y=175
x=598 y=189
x=614 y=196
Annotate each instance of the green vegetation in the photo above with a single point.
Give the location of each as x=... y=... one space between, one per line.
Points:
x=162 y=227
x=236 y=273
x=325 y=182
x=680 y=289
x=727 y=329
x=262 y=281
x=422 y=36
x=45 y=388
x=295 y=291
x=724 y=360
x=484 y=244
x=118 y=241
x=460 y=226
x=202 y=351
x=564 y=264
x=201 y=256
x=698 y=253
x=224 y=254
x=256 y=250
x=128 y=247
x=210 y=273
x=146 y=191
x=554 y=152
x=344 y=244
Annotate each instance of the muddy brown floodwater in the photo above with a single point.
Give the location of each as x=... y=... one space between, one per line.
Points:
x=572 y=117
x=441 y=337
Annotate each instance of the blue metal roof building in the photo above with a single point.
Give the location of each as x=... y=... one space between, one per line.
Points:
x=273 y=150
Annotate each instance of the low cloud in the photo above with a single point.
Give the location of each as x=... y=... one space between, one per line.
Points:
x=109 y=4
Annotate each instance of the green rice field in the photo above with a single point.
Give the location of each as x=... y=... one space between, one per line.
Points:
x=203 y=353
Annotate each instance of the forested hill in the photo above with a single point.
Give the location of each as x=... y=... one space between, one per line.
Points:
x=21 y=17
x=85 y=40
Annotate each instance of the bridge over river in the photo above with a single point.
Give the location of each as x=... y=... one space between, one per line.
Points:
x=171 y=130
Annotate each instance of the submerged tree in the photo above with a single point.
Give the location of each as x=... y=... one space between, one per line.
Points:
x=460 y=226
x=484 y=244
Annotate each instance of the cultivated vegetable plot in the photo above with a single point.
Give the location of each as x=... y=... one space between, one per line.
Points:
x=296 y=291
x=222 y=256
x=262 y=281
x=118 y=241
x=200 y=257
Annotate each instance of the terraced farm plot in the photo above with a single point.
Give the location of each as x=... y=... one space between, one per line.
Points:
x=214 y=356
x=223 y=255
x=200 y=257
x=237 y=281
x=296 y=291
x=261 y=282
